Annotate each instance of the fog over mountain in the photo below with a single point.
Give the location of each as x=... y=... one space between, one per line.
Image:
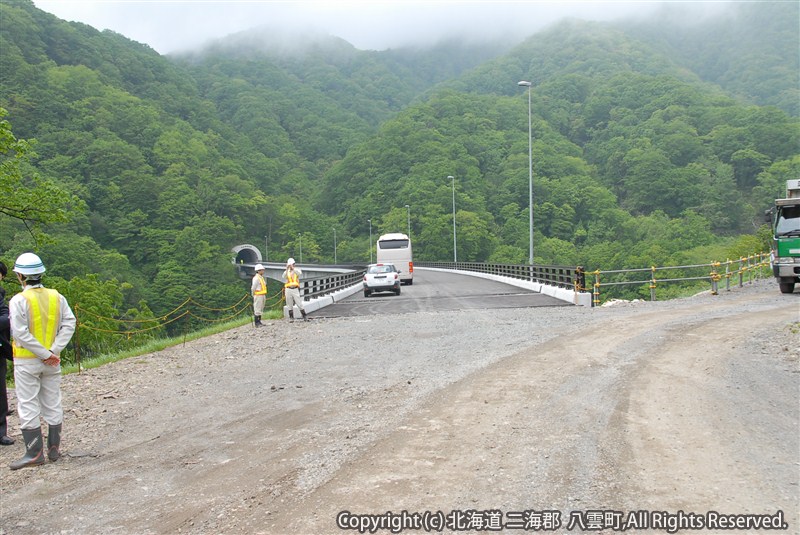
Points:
x=369 y=25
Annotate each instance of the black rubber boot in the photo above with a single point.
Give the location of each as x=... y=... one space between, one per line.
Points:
x=34 y=454
x=291 y=315
x=54 y=442
x=5 y=440
x=303 y=312
x=257 y=321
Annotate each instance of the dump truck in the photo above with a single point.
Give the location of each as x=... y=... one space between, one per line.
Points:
x=785 y=251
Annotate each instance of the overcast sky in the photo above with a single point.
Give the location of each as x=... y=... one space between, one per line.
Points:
x=175 y=25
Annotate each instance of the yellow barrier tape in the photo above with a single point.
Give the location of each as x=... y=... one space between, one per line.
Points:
x=170 y=317
x=97 y=329
x=165 y=316
x=166 y=319
x=219 y=320
x=219 y=309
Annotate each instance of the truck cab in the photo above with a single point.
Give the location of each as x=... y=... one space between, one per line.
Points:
x=785 y=254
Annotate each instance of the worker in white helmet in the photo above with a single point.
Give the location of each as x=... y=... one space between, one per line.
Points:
x=291 y=288
x=42 y=324
x=258 y=288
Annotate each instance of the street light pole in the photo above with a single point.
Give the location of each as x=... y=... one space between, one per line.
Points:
x=523 y=83
x=370 y=240
x=455 y=254
x=266 y=248
x=300 y=238
x=408 y=209
x=334 y=246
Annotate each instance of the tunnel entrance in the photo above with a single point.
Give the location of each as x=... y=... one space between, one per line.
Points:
x=246 y=254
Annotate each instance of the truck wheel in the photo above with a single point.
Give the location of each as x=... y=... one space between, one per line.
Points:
x=786 y=287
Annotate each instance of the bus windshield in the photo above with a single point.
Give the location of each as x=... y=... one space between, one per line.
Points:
x=393 y=244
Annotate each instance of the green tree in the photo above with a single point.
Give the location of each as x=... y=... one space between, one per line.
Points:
x=747 y=164
x=24 y=195
x=772 y=181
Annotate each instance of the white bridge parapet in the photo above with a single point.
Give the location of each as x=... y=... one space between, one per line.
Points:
x=563 y=294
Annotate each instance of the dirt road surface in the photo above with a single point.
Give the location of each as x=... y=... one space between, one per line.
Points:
x=567 y=418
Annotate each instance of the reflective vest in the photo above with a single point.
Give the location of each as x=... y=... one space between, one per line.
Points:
x=263 y=288
x=44 y=312
x=292 y=280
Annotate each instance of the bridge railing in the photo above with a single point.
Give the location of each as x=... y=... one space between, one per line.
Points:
x=560 y=276
x=327 y=284
x=574 y=278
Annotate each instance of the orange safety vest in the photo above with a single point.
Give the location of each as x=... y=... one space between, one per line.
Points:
x=44 y=307
x=263 y=283
x=292 y=280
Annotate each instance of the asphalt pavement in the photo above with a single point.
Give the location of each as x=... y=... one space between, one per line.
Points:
x=440 y=291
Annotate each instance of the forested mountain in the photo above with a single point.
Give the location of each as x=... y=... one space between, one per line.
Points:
x=653 y=144
x=752 y=52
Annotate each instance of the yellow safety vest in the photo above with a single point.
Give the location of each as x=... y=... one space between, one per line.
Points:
x=292 y=280
x=44 y=308
x=263 y=283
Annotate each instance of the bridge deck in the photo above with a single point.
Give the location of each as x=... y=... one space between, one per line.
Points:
x=440 y=291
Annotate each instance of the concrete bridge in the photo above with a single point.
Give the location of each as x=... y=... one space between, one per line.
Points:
x=320 y=281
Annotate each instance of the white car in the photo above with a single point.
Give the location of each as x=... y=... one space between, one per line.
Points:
x=381 y=278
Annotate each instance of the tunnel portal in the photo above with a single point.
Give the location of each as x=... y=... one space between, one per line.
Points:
x=246 y=254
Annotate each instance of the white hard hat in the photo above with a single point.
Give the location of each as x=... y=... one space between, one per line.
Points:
x=290 y=262
x=259 y=267
x=29 y=264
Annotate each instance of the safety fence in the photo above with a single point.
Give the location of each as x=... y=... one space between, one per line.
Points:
x=327 y=284
x=89 y=322
x=748 y=267
x=561 y=276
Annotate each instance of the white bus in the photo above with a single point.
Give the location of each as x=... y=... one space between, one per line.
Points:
x=395 y=249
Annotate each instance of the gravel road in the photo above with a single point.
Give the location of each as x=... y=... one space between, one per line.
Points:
x=690 y=405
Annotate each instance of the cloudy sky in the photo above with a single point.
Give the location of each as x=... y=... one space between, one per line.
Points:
x=175 y=25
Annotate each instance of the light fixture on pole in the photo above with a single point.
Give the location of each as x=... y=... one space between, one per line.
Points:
x=370 y=240
x=334 y=246
x=408 y=210
x=455 y=254
x=523 y=83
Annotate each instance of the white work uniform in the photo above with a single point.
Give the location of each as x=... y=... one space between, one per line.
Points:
x=38 y=385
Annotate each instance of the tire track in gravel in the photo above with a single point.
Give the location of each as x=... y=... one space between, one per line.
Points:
x=714 y=426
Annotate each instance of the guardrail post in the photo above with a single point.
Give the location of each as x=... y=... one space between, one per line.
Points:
x=728 y=275
x=714 y=278
x=580 y=279
x=653 y=283
x=741 y=271
x=597 y=288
